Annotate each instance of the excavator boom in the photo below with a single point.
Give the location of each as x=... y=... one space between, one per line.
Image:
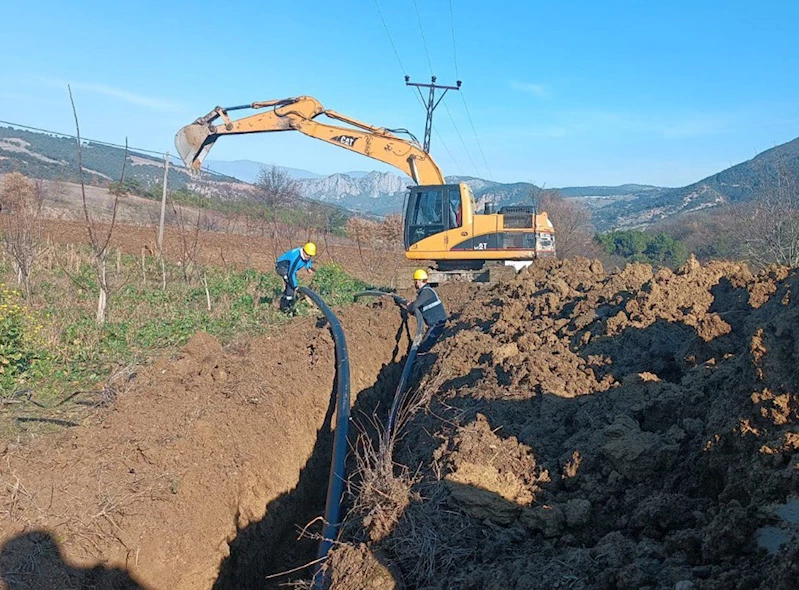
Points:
x=194 y=141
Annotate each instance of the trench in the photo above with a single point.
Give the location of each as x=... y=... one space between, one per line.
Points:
x=264 y=549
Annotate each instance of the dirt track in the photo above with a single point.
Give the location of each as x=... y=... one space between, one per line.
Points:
x=634 y=430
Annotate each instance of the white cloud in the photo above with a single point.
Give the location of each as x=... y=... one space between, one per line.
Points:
x=537 y=90
x=148 y=102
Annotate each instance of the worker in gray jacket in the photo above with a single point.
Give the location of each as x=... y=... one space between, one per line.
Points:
x=429 y=303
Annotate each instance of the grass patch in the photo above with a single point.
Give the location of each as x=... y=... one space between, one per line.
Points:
x=52 y=346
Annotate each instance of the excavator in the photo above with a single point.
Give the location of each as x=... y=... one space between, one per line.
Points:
x=441 y=223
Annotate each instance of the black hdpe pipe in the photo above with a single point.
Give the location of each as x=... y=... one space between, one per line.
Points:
x=399 y=395
x=335 y=485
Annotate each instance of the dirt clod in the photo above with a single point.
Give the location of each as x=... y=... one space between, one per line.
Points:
x=628 y=430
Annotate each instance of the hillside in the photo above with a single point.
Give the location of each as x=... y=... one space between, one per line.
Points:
x=54 y=157
x=376 y=193
x=740 y=183
x=381 y=193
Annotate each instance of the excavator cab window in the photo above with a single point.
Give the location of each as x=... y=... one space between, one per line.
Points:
x=455 y=209
x=425 y=215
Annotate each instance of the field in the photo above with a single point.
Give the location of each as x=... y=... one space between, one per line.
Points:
x=575 y=428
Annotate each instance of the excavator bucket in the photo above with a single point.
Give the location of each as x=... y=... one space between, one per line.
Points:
x=193 y=143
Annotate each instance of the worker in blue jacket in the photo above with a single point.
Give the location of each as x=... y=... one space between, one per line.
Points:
x=288 y=265
x=429 y=303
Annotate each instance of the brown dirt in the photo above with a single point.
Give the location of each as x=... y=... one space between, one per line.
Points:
x=584 y=430
x=200 y=449
x=576 y=429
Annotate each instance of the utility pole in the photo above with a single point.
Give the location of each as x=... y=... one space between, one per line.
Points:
x=163 y=209
x=432 y=103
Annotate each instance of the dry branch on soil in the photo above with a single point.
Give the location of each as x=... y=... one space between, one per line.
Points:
x=381 y=490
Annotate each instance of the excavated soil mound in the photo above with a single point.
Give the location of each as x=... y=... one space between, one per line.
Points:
x=154 y=491
x=575 y=429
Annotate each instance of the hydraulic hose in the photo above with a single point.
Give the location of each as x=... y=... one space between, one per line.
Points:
x=399 y=394
x=335 y=486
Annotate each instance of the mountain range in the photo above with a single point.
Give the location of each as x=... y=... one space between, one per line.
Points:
x=740 y=183
x=49 y=156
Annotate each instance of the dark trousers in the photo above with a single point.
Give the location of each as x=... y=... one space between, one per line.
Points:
x=431 y=337
x=287 y=300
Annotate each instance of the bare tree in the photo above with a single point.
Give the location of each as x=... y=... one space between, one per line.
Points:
x=99 y=243
x=572 y=221
x=21 y=224
x=275 y=190
x=189 y=240
x=379 y=244
x=769 y=227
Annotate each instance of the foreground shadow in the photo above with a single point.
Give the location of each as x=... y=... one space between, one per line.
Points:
x=33 y=561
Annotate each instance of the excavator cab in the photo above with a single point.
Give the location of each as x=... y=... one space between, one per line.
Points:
x=432 y=210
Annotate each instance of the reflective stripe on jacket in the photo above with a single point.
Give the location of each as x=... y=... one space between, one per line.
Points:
x=429 y=303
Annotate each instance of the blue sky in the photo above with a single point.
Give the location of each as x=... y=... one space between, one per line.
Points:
x=560 y=93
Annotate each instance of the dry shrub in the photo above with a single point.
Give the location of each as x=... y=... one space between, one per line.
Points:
x=572 y=221
x=769 y=225
x=20 y=223
x=378 y=243
x=425 y=545
x=380 y=488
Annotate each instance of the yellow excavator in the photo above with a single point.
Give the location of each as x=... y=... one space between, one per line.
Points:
x=441 y=222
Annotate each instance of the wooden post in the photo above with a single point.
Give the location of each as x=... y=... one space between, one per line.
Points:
x=163 y=208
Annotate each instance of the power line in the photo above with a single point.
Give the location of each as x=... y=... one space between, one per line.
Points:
x=454 y=161
x=402 y=67
x=463 y=143
x=424 y=41
x=452 y=28
x=390 y=39
x=432 y=103
x=457 y=75
x=404 y=72
x=479 y=145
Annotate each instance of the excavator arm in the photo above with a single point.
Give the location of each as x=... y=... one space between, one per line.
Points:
x=299 y=114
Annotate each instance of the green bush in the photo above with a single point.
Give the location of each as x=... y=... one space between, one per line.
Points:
x=20 y=342
x=638 y=246
x=335 y=285
x=60 y=348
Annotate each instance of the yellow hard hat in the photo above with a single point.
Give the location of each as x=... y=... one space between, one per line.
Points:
x=420 y=274
x=310 y=249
